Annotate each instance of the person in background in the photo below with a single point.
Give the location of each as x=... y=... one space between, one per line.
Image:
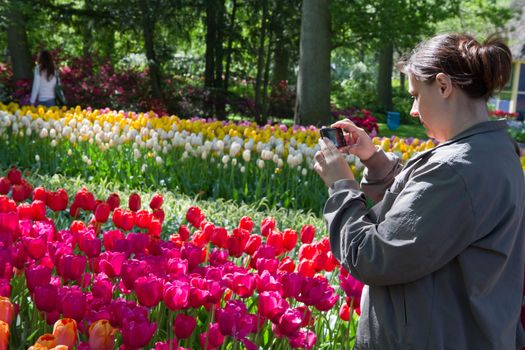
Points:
x=442 y=251
x=44 y=81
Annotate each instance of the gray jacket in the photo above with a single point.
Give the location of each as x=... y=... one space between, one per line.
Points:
x=443 y=249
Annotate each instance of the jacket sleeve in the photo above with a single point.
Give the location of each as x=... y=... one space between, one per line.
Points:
x=36 y=86
x=379 y=174
x=429 y=223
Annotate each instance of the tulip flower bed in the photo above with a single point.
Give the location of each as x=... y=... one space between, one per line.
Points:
x=241 y=161
x=90 y=272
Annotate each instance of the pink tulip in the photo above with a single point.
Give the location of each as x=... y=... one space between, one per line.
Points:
x=272 y=305
x=37 y=276
x=111 y=263
x=73 y=303
x=148 y=290
x=46 y=297
x=212 y=338
x=176 y=295
x=243 y=284
x=265 y=282
x=110 y=237
x=184 y=326
x=303 y=339
x=137 y=333
x=71 y=267
x=36 y=247
x=290 y=322
x=131 y=270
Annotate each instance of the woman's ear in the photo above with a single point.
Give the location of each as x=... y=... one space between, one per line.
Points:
x=445 y=84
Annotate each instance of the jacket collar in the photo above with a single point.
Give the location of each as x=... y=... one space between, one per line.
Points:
x=479 y=128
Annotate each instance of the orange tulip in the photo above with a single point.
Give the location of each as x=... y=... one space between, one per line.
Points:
x=4 y=335
x=101 y=335
x=43 y=347
x=45 y=341
x=7 y=310
x=65 y=332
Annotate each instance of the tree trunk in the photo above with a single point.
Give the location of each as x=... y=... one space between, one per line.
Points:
x=266 y=80
x=281 y=59
x=402 y=81
x=384 y=78
x=260 y=65
x=211 y=37
x=17 y=43
x=148 y=27
x=219 y=97
x=231 y=30
x=87 y=31
x=313 y=81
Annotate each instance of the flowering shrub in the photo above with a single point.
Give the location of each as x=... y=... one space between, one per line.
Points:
x=361 y=117
x=497 y=113
x=106 y=274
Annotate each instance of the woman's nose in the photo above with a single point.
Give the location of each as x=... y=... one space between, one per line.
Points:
x=414 y=112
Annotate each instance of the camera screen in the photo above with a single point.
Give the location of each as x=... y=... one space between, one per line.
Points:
x=335 y=135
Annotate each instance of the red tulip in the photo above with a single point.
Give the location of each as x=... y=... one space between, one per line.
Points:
x=154 y=228
x=15 y=176
x=148 y=290
x=237 y=242
x=156 y=201
x=85 y=199
x=286 y=265
x=184 y=326
x=159 y=214
x=19 y=193
x=113 y=201
x=101 y=335
x=184 y=232
x=254 y=242
x=267 y=225
x=276 y=240
x=307 y=234
x=195 y=216
x=110 y=237
x=134 y=201
x=9 y=221
x=306 y=268
x=38 y=210
x=57 y=201
x=5 y=185
x=246 y=223
x=243 y=284
x=24 y=211
x=40 y=194
x=289 y=239
x=102 y=212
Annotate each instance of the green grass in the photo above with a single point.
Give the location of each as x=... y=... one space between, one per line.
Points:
x=403 y=131
x=225 y=213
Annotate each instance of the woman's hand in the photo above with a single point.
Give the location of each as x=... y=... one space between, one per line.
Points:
x=330 y=163
x=358 y=140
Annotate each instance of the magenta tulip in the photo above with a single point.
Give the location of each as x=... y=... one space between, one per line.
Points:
x=184 y=326
x=176 y=295
x=148 y=290
x=46 y=298
x=37 y=276
x=137 y=333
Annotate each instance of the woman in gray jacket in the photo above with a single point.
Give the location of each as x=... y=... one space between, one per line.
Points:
x=442 y=251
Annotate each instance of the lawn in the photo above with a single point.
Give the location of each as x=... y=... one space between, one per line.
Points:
x=403 y=131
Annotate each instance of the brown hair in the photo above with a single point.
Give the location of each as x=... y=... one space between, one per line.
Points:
x=478 y=69
x=45 y=63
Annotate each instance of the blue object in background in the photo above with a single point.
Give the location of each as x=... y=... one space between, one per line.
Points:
x=393 y=120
